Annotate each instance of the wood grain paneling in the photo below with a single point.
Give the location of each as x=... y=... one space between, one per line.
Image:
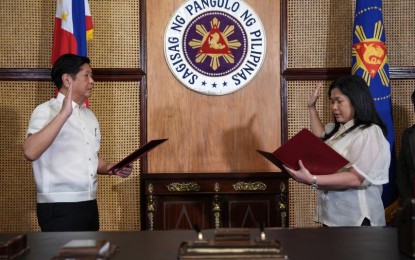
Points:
x=212 y=133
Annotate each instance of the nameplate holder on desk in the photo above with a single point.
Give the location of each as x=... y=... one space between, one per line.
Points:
x=14 y=247
x=231 y=243
x=86 y=249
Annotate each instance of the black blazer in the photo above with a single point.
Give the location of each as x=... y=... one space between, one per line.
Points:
x=405 y=172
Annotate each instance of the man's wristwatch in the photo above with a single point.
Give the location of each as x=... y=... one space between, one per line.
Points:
x=314 y=185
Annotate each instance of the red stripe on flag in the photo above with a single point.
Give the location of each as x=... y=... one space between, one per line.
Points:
x=63 y=41
x=88 y=20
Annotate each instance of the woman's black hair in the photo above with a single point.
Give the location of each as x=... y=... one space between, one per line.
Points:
x=67 y=64
x=357 y=90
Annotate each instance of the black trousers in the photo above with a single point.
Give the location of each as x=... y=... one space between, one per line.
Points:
x=68 y=216
x=366 y=222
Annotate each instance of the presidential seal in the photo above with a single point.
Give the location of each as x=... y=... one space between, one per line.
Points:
x=214 y=47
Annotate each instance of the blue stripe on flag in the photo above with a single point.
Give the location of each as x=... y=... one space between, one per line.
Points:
x=79 y=25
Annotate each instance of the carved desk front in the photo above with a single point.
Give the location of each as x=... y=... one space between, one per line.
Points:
x=214 y=200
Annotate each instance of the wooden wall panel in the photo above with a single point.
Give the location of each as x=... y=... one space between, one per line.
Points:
x=212 y=133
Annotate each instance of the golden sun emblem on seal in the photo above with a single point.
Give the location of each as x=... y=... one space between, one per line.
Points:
x=215 y=44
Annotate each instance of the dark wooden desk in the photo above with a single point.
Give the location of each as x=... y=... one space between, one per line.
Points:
x=315 y=243
x=214 y=200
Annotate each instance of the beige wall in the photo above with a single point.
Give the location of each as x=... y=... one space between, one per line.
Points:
x=319 y=36
x=26 y=40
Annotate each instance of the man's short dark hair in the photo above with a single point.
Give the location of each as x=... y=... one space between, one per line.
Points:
x=67 y=64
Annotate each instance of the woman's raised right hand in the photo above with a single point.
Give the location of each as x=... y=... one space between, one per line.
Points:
x=312 y=99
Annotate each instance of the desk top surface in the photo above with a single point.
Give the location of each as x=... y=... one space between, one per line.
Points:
x=299 y=243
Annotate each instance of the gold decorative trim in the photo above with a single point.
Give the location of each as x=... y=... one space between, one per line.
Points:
x=216 y=208
x=282 y=187
x=283 y=219
x=151 y=207
x=249 y=186
x=282 y=201
x=190 y=186
x=150 y=188
x=216 y=187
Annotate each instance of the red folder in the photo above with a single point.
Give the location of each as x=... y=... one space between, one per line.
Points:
x=137 y=154
x=318 y=157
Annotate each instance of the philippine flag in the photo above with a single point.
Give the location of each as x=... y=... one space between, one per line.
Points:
x=73 y=28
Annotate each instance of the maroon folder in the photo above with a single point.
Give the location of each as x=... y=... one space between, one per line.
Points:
x=137 y=154
x=318 y=157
